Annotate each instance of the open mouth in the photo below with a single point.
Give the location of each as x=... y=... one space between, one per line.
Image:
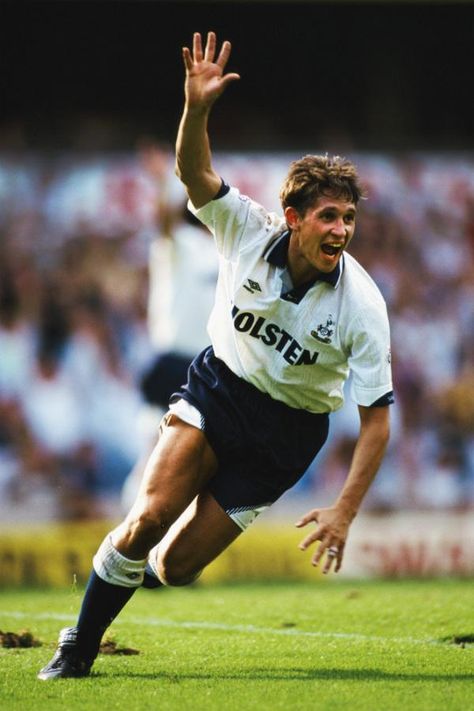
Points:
x=332 y=249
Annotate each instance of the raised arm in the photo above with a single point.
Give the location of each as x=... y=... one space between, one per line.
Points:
x=205 y=82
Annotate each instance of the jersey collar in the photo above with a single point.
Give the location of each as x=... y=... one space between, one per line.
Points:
x=277 y=254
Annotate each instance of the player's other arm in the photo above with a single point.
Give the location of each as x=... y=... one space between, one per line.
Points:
x=205 y=82
x=333 y=522
x=368 y=454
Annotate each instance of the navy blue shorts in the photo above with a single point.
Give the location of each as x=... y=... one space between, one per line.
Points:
x=263 y=446
x=167 y=373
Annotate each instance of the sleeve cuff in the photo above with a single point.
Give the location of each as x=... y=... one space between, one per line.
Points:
x=223 y=190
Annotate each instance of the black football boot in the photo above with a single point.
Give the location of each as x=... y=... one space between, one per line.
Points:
x=66 y=662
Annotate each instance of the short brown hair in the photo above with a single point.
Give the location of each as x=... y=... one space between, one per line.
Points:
x=312 y=176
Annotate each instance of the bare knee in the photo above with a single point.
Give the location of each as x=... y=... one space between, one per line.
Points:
x=149 y=524
x=141 y=530
x=176 y=571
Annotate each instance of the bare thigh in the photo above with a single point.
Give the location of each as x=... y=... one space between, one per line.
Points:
x=179 y=468
x=199 y=535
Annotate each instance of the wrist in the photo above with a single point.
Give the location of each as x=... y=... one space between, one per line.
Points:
x=197 y=111
x=348 y=509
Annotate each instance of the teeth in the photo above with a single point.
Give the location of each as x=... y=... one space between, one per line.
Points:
x=331 y=248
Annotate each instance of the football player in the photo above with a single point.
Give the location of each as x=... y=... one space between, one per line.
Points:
x=294 y=314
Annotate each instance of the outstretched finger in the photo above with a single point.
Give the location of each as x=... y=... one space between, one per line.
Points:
x=339 y=558
x=307 y=518
x=224 y=54
x=197 y=47
x=311 y=538
x=323 y=546
x=188 y=60
x=332 y=554
x=210 y=47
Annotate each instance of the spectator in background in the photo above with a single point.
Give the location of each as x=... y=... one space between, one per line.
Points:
x=61 y=451
x=17 y=354
x=67 y=404
x=17 y=336
x=105 y=392
x=58 y=230
x=183 y=268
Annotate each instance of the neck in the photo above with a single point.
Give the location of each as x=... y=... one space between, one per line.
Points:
x=300 y=269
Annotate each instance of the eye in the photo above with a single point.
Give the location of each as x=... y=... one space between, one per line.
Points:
x=349 y=219
x=328 y=216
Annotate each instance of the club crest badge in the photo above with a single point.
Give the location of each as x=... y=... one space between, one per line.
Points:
x=324 y=332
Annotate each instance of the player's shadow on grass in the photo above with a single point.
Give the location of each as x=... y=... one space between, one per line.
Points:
x=303 y=675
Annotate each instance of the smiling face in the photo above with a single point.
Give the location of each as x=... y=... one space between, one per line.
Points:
x=319 y=236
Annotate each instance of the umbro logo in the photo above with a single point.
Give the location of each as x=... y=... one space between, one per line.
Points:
x=252 y=286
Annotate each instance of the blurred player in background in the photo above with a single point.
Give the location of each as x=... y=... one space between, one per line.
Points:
x=294 y=314
x=183 y=269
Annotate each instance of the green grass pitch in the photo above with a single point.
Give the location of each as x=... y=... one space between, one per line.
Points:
x=329 y=645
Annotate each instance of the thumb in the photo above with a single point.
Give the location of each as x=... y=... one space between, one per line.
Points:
x=228 y=78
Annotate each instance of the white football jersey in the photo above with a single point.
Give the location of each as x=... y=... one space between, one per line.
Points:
x=296 y=344
x=183 y=276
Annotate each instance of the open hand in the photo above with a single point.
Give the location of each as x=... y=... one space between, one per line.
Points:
x=205 y=78
x=331 y=532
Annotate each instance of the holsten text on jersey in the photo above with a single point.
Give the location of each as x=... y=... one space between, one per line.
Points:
x=273 y=336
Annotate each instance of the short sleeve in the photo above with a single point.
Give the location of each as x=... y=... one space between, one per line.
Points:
x=370 y=356
x=235 y=220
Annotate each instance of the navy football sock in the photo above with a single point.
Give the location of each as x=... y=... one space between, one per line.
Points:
x=101 y=604
x=151 y=581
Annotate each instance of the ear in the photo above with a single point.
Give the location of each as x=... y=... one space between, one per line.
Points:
x=292 y=217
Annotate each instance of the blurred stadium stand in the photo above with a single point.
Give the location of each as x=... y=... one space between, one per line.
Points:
x=74 y=341
x=385 y=83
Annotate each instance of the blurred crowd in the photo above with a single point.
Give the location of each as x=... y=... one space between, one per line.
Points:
x=75 y=236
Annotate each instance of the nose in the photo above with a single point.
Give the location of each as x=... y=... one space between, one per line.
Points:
x=339 y=228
